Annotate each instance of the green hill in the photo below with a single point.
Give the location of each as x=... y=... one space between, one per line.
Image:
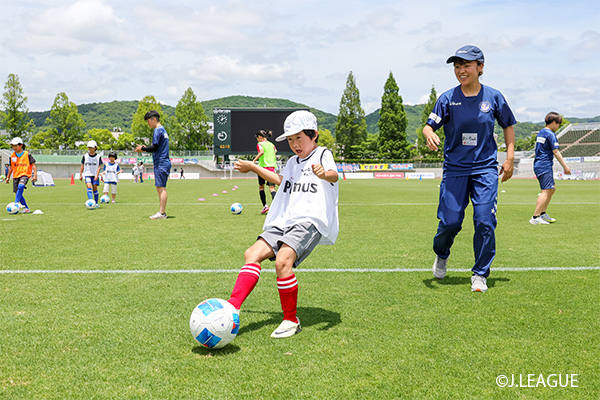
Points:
x=120 y=113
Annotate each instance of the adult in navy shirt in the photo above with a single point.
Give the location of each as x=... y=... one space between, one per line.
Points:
x=160 y=158
x=546 y=148
x=468 y=113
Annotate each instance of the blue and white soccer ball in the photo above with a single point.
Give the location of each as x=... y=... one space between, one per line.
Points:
x=214 y=323
x=236 y=208
x=104 y=199
x=90 y=204
x=13 y=208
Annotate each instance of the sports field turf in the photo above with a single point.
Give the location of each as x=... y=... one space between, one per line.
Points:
x=95 y=304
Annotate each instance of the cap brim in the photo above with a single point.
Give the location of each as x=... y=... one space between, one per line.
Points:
x=281 y=138
x=454 y=58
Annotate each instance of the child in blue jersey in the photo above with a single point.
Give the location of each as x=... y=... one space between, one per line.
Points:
x=468 y=113
x=546 y=148
x=110 y=175
x=160 y=158
x=91 y=163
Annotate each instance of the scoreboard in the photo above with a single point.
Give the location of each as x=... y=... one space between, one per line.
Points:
x=235 y=129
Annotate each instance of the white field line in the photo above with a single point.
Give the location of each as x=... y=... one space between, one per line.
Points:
x=231 y=271
x=202 y=203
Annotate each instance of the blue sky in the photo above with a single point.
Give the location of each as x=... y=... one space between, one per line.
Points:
x=543 y=55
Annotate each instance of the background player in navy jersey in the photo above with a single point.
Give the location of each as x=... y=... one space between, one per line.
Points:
x=468 y=113
x=303 y=214
x=160 y=158
x=546 y=148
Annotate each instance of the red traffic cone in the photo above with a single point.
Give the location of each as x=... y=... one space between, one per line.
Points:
x=72 y=180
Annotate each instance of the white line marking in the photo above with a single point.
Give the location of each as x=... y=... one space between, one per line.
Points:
x=209 y=203
x=231 y=271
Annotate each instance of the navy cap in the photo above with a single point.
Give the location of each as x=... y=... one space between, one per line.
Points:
x=469 y=53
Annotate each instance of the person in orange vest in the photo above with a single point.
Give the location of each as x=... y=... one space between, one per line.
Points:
x=22 y=167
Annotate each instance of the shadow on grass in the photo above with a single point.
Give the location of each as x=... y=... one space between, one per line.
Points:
x=433 y=283
x=203 y=351
x=309 y=316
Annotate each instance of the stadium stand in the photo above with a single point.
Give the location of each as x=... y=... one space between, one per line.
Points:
x=579 y=145
x=581 y=140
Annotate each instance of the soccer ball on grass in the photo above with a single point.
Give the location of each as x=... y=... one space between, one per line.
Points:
x=104 y=199
x=236 y=208
x=90 y=204
x=13 y=208
x=214 y=323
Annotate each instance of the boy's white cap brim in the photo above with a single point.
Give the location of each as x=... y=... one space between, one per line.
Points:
x=16 y=140
x=296 y=122
x=92 y=143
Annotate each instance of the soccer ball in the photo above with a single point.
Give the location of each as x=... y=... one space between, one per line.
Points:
x=104 y=199
x=13 y=208
x=236 y=208
x=214 y=323
x=90 y=204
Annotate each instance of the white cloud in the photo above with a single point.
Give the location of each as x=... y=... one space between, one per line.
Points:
x=102 y=50
x=68 y=30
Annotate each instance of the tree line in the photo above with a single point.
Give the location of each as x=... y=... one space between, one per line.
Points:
x=187 y=124
x=65 y=127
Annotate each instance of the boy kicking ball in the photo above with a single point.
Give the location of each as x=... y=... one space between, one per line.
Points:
x=303 y=214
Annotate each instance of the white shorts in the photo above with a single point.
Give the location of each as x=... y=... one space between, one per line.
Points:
x=113 y=186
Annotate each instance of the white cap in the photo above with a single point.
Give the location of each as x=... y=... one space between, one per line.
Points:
x=92 y=143
x=296 y=122
x=16 y=140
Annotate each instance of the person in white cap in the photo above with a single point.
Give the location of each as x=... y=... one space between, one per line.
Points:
x=22 y=167
x=303 y=214
x=91 y=163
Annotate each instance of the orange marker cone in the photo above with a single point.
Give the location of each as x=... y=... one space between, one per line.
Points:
x=72 y=180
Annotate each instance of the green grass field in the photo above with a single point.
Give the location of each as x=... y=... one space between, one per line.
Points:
x=376 y=323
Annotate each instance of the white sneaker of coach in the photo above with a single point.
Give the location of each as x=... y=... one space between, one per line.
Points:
x=478 y=283
x=439 y=267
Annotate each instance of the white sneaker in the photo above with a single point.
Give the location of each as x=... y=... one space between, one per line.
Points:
x=547 y=218
x=158 y=215
x=478 y=283
x=24 y=210
x=538 y=221
x=286 y=329
x=439 y=267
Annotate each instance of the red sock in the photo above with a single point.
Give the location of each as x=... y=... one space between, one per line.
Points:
x=245 y=283
x=288 y=294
